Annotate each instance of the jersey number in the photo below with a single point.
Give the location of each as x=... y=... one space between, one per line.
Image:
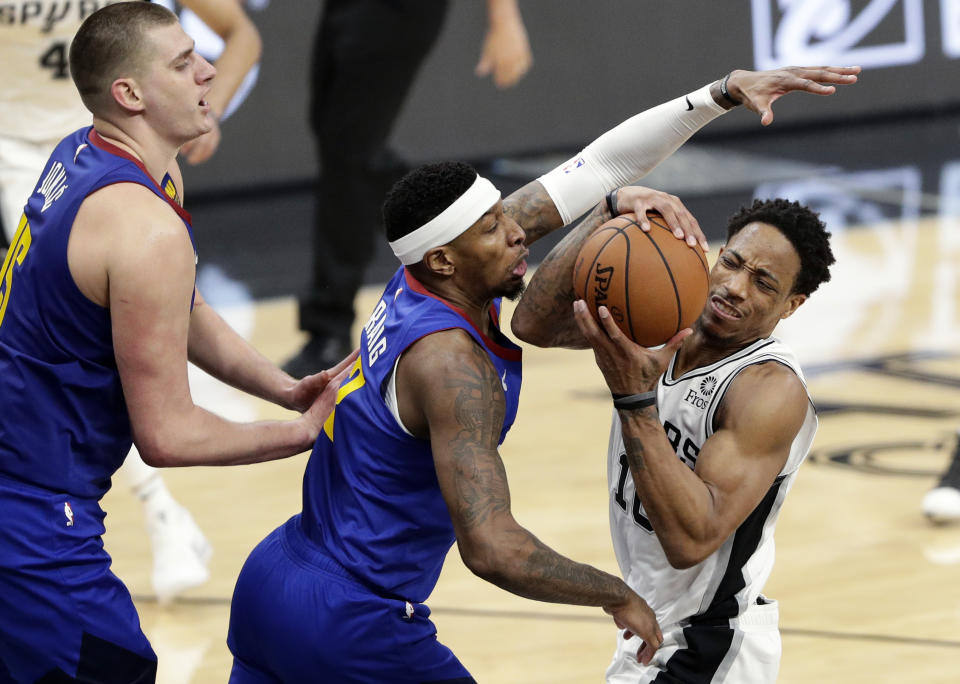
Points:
x=15 y=256
x=688 y=456
x=355 y=381
x=55 y=59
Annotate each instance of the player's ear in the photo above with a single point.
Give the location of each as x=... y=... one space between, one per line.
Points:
x=126 y=93
x=438 y=261
x=793 y=303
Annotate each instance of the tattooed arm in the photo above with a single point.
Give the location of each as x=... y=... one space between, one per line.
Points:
x=532 y=208
x=544 y=313
x=449 y=392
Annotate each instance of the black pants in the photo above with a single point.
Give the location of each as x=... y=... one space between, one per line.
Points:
x=366 y=57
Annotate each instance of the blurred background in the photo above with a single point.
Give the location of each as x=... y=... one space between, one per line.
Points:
x=595 y=64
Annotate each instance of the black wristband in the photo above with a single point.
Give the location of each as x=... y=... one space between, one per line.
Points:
x=612 y=202
x=628 y=402
x=726 y=93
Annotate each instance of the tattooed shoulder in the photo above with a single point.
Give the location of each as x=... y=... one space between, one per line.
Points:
x=479 y=404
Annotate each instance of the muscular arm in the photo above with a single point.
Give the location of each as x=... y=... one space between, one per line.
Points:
x=532 y=208
x=142 y=250
x=694 y=512
x=626 y=153
x=449 y=390
x=543 y=315
x=216 y=348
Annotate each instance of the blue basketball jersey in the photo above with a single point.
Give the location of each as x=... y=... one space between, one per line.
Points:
x=371 y=499
x=63 y=420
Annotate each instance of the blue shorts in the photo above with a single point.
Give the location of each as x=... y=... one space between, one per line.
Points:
x=62 y=611
x=297 y=616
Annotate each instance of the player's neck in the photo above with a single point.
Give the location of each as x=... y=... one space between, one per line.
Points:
x=477 y=312
x=702 y=349
x=476 y=309
x=155 y=155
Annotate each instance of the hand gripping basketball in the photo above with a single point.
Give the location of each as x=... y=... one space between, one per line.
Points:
x=653 y=283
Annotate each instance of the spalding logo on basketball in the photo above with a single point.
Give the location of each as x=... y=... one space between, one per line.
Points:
x=654 y=284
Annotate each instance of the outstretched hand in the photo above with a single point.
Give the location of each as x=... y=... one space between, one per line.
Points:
x=627 y=367
x=758 y=90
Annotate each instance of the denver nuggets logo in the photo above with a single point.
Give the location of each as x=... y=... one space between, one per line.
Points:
x=171 y=190
x=707 y=385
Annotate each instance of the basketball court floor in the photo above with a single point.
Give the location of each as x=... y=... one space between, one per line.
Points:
x=869 y=590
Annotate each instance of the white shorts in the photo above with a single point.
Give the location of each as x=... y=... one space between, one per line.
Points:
x=21 y=164
x=746 y=651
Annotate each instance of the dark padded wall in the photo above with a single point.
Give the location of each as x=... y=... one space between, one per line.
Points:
x=597 y=62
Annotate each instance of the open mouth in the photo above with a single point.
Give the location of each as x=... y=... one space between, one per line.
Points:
x=724 y=309
x=520 y=268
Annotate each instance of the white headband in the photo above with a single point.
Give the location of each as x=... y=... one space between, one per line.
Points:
x=448 y=224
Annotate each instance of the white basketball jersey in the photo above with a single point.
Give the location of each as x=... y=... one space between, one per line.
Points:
x=730 y=580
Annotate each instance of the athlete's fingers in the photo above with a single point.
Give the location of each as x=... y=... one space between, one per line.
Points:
x=588 y=326
x=611 y=328
x=647 y=650
x=644 y=654
x=346 y=362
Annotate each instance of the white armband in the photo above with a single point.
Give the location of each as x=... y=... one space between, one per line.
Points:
x=625 y=154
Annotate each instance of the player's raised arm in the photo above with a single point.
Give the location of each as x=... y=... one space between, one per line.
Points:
x=626 y=153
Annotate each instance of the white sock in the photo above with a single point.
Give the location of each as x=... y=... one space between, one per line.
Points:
x=147 y=484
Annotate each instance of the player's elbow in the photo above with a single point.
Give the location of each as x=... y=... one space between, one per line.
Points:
x=685 y=555
x=256 y=44
x=155 y=449
x=481 y=563
x=484 y=559
x=155 y=456
x=526 y=329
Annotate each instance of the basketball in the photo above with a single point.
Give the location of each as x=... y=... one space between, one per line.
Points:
x=653 y=283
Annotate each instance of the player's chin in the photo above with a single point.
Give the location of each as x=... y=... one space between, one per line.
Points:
x=513 y=288
x=716 y=328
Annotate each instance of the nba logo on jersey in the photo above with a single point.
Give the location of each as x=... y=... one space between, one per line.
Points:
x=67 y=511
x=574 y=164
